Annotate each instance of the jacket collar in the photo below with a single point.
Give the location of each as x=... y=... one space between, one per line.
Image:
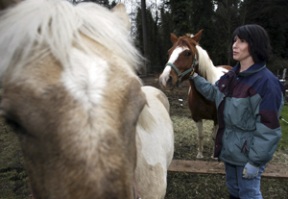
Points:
x=251 y=70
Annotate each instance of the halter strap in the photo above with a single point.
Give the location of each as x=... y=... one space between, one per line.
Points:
x=191 y=70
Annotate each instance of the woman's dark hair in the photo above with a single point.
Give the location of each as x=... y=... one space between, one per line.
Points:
x=257 y=39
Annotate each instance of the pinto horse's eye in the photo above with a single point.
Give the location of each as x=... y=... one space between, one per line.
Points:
x=187 y=53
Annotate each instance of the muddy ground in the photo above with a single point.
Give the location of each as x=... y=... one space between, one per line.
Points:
x=13 y=178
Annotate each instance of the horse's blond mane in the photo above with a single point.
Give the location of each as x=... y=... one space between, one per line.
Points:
x=59 y=26
x=204 y=60
x=206 y=66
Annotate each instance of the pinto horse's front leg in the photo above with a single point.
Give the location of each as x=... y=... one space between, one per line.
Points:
x=199 y=125
x=214 y=132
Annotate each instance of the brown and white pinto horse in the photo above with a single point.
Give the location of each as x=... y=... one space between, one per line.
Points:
x=185 y=56
x=87 y=126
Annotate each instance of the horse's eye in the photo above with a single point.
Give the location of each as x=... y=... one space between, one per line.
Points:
x=187 y=53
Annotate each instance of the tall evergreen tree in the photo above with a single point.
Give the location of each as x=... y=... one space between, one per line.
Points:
x=203 y=17
x=105 y=3
x=227 y=18
x=145 y=51
x=165 y=28
x=181 y=15
x=154 y=61
x=272 y=15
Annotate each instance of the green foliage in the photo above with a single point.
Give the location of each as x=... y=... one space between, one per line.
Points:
x=181 y=16
x=276 y=64
x=283 y=145
x=227 y=18
x=13 y=177
x=155 y=47
x=272 y=15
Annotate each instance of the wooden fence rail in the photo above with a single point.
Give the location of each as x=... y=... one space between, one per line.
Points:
x=272 y=170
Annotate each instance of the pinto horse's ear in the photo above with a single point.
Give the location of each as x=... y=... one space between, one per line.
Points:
x=173 y=38
x=120 y=11
x=198 y=35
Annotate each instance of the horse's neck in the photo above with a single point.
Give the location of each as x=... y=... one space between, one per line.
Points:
x=206 y=66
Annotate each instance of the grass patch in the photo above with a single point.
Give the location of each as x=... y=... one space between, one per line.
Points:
x=283 y=145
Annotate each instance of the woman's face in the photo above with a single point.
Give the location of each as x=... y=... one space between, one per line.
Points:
x=240 y=50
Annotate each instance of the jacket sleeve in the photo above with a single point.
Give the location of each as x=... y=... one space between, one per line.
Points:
x=268 y=131
x=204 y=87
x=264 y=144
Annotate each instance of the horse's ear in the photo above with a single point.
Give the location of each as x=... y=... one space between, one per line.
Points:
x=198 y=35
x=120 y=11
x=173 y=38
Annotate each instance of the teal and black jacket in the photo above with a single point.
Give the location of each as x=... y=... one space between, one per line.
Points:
x=249 y=104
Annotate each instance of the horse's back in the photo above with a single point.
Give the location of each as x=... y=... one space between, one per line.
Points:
x=155 y=144
x=153 y=93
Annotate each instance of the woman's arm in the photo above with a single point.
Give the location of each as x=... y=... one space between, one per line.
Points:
x=204 y=87
x=268 y=131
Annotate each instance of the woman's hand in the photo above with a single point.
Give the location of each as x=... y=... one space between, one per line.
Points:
x=250 y=171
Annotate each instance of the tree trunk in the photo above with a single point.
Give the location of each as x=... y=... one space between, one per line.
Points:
x=145 y=37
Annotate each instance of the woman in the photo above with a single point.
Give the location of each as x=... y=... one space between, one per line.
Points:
x=249 y=100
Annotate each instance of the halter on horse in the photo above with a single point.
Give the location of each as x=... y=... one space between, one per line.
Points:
x=85 y=122
x=185 y=58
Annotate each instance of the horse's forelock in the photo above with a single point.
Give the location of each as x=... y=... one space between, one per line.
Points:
x=189 y=43
x=186 y=42
x=189 y=35
x=110 y=31
x=204 y=61
x=60 y=26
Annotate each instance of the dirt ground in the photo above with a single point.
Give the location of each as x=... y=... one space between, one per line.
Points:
x=181 y=185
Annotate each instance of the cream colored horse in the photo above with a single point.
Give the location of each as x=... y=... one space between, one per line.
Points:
x=87 y=126
x=155 y=144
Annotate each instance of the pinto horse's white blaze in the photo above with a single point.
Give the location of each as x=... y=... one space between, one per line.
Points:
x=164 y=77
x=175 y=54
